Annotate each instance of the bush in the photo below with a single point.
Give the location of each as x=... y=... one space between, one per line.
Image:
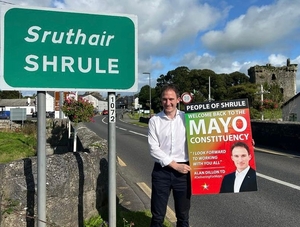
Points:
x=80 y=110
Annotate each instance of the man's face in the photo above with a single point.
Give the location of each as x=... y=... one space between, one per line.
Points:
x=241 y=158
x=169 y=102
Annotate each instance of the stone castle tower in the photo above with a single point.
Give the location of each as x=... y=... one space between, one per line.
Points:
x=284 y=76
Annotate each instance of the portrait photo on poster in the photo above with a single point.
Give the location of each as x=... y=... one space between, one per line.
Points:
x=243 y=179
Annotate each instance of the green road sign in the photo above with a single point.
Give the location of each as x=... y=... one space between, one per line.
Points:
x=61 y=50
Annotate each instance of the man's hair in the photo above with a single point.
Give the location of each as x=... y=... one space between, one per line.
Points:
x=170 y=87
x=240 y=144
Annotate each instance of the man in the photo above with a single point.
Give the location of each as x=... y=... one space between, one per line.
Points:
x=168 y=147
x=244 y=178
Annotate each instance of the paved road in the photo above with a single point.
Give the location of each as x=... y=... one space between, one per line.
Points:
x=276 y=203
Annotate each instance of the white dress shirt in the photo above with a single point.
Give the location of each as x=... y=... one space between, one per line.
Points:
x=167 y=138
x=239 y=178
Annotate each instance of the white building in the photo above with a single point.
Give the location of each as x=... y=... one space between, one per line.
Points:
x=102 y=105
x=98 y=104
x=136 y=104
x=291 y=109
x=92 y=99
x=49 y=101
x=31 y=104
x=28 y=104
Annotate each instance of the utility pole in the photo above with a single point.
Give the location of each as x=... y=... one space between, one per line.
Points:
x=209 y=92
x=209 y=98
x=149 y=92
x=261 y=93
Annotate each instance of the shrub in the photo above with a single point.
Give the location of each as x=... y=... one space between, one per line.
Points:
x=80 y=110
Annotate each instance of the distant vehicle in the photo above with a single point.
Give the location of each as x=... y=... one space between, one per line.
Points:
x=96 y=111
x=4 y=114
x=105 y=112
x=49 y=114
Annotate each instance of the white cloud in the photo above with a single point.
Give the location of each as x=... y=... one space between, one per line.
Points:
x=258 y=28
x=277 y=60
x=36 y=3
x=199 y=35
x=162 y=25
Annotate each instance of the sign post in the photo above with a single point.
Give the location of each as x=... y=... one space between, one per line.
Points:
x=41 y=160
x=112 y=157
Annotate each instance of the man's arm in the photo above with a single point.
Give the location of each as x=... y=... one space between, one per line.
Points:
x=181 y=168
x=154 y=145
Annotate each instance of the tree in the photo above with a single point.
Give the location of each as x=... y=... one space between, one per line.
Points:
x=182 y=79
x=178 y=76
x=243 y=91
x=276 y=93
x=223 y=86
x=144 y=96
x=237 y=78
x=10 y=95
x=218 y=87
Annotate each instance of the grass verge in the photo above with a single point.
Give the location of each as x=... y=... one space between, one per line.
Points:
x=17 y=145
x=125 y=219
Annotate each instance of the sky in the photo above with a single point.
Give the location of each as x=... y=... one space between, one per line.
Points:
x=223 y=36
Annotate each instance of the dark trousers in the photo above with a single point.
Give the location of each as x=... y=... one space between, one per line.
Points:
x=165 y=179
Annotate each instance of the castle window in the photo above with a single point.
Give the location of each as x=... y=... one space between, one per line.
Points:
x=293 y=117
x=273 y=77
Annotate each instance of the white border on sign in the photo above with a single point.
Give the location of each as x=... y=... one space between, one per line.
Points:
x=5 y=86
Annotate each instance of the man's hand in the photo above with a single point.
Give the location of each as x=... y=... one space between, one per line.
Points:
x=181 y=168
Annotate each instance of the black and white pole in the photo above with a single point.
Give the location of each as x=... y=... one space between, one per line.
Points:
x=112 y=159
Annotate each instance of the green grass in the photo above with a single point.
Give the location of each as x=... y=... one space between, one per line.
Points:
x=126 y=219
x=136 y=116
x=16 y=145
x=274 y=114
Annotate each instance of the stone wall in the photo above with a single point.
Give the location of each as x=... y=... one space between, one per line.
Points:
x=76 y=185
x=6 y=125
x=284 y=136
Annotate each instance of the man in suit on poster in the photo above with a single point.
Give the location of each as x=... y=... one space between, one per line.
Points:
x=244 y=178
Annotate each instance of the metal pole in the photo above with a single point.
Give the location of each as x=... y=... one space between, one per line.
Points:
x=112 y=159
x=261 y=93
x=209 y=99
x=69 y=129
x=149 y=91
x=262 y=100
x=61 y=100
x=41 y=159
x=75 y=129
x=74 y=137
